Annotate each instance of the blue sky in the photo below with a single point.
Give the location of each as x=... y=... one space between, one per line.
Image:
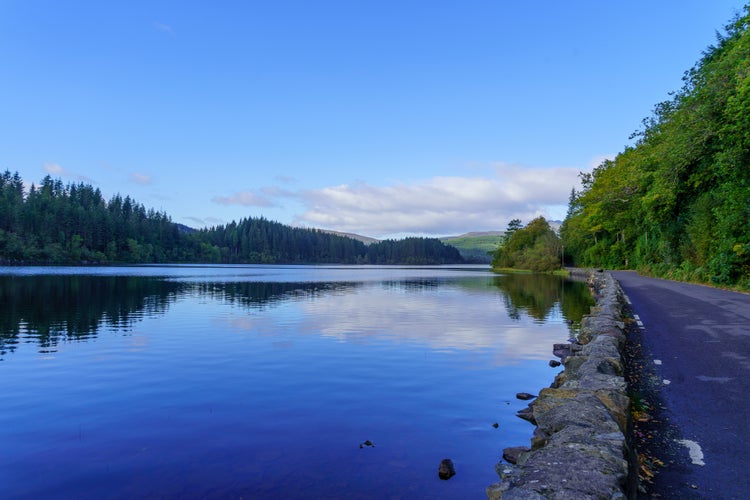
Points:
x=384 y=118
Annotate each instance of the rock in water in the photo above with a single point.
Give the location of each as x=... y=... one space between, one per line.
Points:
x=527 y=414
x=554 y=363
x=525 y=396
x=511 y=455
x=446 y=469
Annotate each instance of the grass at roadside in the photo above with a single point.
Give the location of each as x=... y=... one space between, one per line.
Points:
x=512 y=270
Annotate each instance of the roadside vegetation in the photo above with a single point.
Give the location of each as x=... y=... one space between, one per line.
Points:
x=677 y=203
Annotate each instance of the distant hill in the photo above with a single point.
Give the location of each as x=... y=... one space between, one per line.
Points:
x=185 y=229
x=364 y=239
x=476 y=246
x=475 y=234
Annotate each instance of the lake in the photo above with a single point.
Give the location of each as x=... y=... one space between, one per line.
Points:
x=270 y=381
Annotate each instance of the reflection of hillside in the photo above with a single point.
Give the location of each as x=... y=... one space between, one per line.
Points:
x=47 y=309
x=413 y=284
x=537 y=294
x=258 y=294
x=50 y=308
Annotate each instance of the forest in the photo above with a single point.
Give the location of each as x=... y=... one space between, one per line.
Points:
x=676 y=203
x=73 y=224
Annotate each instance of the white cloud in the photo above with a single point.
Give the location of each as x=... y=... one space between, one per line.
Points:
x=525 y=339
x=164 y=28
x=57 y=170
x=54 y=169
x=441 y=205
x=245 y=198
x=141 y=179
x=598 y=160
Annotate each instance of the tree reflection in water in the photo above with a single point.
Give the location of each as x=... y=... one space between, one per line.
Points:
x=47 y=309
x=537 y=295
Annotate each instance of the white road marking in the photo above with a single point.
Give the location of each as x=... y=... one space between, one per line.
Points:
x=696 y=454
x=721 y=380
x=638 y=321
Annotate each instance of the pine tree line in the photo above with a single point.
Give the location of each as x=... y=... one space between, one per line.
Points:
x=73 y=223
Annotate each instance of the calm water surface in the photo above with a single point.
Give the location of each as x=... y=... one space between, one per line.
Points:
x=264 y=382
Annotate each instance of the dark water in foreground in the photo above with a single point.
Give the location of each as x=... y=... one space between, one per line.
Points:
x=263 y=382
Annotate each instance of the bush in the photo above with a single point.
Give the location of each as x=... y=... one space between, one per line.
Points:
x=535 y=247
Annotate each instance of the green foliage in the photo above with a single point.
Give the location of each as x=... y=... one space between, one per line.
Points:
x=513 y=226
x=677 y=204
x=535 y=247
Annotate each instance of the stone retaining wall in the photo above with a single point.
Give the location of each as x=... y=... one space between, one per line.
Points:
x=579 y=448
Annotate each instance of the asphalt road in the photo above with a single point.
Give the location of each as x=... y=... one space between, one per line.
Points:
x=696 y=345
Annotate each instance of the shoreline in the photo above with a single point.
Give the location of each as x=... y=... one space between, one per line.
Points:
x=581 y=445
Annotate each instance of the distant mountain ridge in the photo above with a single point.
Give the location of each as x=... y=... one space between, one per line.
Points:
x=364 y=239
x=473 y=234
